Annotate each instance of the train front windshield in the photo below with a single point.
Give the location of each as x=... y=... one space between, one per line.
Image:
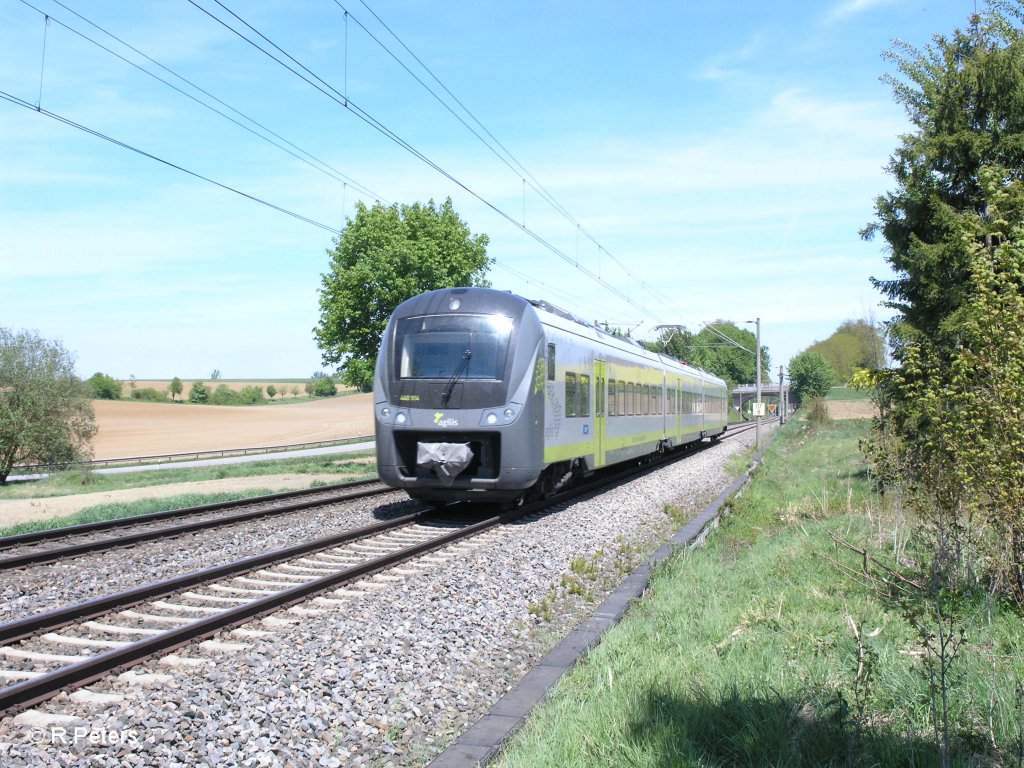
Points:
x=441 y=346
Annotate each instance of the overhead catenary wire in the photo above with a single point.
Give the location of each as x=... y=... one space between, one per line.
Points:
x=299 y=153
x=332 y=93
x=124 y=145
x=512 y=162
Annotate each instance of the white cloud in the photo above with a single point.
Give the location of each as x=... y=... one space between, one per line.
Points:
x=848 y=8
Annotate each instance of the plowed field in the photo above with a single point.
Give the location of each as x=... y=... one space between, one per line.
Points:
x=128 y=429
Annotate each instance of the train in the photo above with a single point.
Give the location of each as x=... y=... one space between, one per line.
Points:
x=480 y=394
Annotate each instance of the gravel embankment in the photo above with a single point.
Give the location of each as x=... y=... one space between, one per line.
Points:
x=46 y=587
x=372 y=681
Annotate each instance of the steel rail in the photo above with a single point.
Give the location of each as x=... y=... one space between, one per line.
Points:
x=88 y=547
x=25 y=694
x=186 y=456
x=32 y=537
x=35 y=690
x=20 y=629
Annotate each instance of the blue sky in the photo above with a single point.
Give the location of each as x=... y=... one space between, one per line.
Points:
x=725 y=153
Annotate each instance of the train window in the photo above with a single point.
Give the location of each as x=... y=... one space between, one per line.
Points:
x=645 y=397
x=599 y=408
x=551 y=362
x=612 y=411
x=570 y=394
x=654 y=401
x=622 y=398
x=584 y=395
x=439 y=347
x=670 y=400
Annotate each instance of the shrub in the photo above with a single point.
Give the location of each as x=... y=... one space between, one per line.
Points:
x=104 y=387
x=199 y=393
x=149 y=395
x=271 y=391
x=817 y=411
x=223 y=395
x=323 y=387
x=250 y=395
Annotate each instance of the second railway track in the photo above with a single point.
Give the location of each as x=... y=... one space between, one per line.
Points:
x=55 y=544
x=118 y=631
x=167 y=615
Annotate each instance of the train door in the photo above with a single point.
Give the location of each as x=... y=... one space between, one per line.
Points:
x=600 y=411
x=677 y=394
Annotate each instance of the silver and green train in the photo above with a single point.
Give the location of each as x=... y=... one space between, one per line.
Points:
x=480 y=394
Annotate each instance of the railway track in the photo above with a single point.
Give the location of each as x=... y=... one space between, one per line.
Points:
x=45 y=654
x=120 y=630
x=56 y=544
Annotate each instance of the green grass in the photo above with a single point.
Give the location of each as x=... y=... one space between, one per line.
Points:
x=742 y=653
x=80 y=481
x=116 y=511
x=845 y=393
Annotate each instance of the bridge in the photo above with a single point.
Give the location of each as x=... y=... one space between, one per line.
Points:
x=770 y=393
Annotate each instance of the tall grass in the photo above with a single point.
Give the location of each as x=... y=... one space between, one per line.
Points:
x=757 y=650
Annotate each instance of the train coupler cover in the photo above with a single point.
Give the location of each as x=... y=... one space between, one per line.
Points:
x=447 y=460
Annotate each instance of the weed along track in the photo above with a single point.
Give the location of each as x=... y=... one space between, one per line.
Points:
x=388 y=642
x=61 y=543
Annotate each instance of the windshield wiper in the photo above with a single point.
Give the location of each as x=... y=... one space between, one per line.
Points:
x=463 y=365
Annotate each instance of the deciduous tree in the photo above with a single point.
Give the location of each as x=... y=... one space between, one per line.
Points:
x=384 y=256
x=104 y=387
x=732 y=360
x=46 y=416
x=811 y=375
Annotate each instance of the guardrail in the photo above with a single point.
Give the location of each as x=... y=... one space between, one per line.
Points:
x=99 y=463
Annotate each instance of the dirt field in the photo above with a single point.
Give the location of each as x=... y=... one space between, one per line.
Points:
x=129 y=429
x=852 y=409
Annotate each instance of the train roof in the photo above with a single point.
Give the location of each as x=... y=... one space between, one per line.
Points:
x=623 y=342
x=489 y=299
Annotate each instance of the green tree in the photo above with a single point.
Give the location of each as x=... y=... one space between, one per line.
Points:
x=964 y=96
x=811 y=375
x=271 y=391
x=321 y=385
x=104 y=387
x=731 y=360
x=45 y=412
x=198 y=392
x=949 y=436
x=384 y=256
x=952 y=436
x=175 y=388
x=855 y=344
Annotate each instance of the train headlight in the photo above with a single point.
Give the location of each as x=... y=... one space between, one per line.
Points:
x=504 y=417
x=385 y=412
x=400 y=418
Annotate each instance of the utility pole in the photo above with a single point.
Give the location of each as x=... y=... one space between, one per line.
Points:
x=757 y=354
x=782 y=407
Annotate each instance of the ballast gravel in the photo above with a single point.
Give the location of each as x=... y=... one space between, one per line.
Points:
x=391 y=673
x=47 y=587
